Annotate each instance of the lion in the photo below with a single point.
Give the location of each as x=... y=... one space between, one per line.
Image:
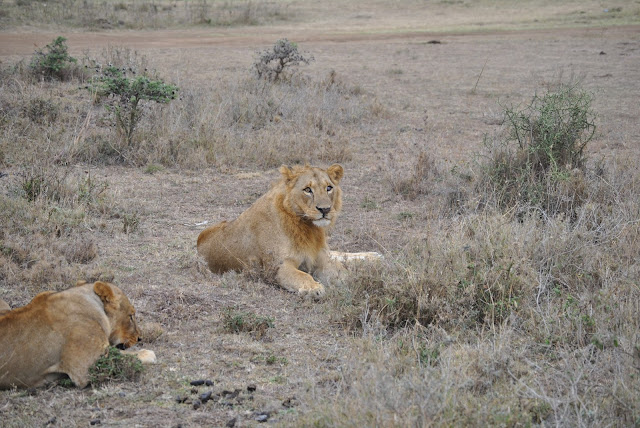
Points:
x=64 y=332
x=284 y=230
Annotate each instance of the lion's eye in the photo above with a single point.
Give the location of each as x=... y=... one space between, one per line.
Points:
x=307 y=190
x=329 y=188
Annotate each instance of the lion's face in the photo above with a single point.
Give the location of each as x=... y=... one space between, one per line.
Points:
x=313 y=193
x=121 y=314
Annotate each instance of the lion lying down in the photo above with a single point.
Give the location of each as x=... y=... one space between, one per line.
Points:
x=64 y=332
x=283 y=230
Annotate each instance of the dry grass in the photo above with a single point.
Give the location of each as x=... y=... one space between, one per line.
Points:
x=480 y=314
x=146 y=14
x=437 y=16
x=258 y=124
x=488 y=312
x=245 y=122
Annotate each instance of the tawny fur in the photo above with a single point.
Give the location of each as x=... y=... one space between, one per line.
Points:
x=284 y=230
x=63 y=332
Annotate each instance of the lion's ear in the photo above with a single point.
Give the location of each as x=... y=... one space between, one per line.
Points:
x=103 y=290
x=335 y=172
x=286 y=173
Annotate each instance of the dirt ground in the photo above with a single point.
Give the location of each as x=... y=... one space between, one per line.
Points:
x=443 y=92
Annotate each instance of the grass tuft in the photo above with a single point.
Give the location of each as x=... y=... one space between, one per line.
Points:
x=236 y=321
x=115 y=366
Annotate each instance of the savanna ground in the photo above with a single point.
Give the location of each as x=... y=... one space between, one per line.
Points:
x=479 y=314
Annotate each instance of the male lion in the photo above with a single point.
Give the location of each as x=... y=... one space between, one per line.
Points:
x=283 y=230
x=63 y=332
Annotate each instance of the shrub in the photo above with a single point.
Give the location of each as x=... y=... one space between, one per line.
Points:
x=540 y=162
x=115 y=365
x=41 y=110
x=235 y=321
x=42 y=181
x=55 y=62
x=123 y=95
x=273 y=64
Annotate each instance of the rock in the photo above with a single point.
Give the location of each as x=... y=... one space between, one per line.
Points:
x=197 y=382
x=206 y=396
x=95 y=422
x=262 y=417
x=251 y=388
x=229 y=394
x=231 y=423
x=290 y=402
x=196 y=404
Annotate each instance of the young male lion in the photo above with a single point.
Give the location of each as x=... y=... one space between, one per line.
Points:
x=283 y=230
x=63 y=332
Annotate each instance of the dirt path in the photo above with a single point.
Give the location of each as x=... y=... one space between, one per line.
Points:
x=23 y=43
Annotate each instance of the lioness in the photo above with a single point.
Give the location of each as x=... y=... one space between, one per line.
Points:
x=283 y=230
x=63 y=333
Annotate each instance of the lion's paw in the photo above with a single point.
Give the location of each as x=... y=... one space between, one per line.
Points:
x=315 y=291
x=146 y=356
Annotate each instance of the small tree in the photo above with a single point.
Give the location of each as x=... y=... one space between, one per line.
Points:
x=272 y=63
x=54 y=62
x=124 y=94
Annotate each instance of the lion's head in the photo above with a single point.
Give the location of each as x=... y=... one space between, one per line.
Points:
x=121 y=314
x=313 y=194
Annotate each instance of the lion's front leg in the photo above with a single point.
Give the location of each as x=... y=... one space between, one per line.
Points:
x=293 y=279
x=329 y=271
x=81 y=350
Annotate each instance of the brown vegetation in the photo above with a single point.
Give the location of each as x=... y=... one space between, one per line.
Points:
x=491 y=307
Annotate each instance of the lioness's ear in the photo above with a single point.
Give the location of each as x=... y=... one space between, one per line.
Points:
x=103 y=290
x=335 y=172
x=286 y=173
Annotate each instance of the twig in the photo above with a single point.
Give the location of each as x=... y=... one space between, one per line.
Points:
x=473 y=91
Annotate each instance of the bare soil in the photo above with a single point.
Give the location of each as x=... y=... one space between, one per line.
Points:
x=442 y=92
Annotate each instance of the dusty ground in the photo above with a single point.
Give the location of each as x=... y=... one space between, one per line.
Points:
x=441 y=97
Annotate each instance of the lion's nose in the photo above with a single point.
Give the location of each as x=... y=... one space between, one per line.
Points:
x=324 y=210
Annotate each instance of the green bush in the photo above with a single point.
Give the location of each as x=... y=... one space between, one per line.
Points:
x=540 y=161
x=122 y=96
x=115 y=365
x=53 y=63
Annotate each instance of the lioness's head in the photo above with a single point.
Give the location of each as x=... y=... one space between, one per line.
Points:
x=121 y=314
x=313 y=193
